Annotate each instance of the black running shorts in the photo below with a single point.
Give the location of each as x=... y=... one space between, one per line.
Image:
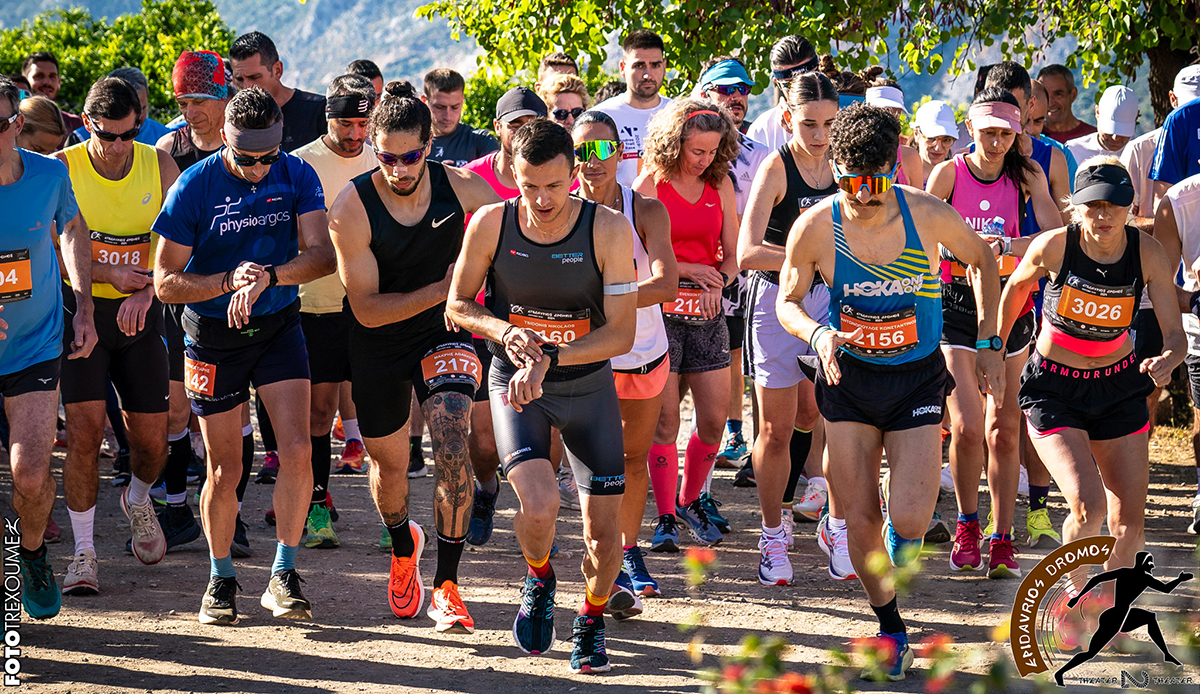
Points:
x=961 y=332
x=138 y=366
x=888 y=397
x=485 y=360
x=173 y=334
x=1107 y=403
x=327 y=337
x=34 y=378
x=1147 y=334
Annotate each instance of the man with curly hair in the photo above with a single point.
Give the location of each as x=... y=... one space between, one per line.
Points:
x=881 y=381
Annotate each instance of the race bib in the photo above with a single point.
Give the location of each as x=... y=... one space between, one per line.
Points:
x=884 y=334
x=110 y=249
x=16 y=276
x=686 y=305
x=199 y=377
x=1006 y=264
x=455 y=363
x=559 y=327
x=1103 y=311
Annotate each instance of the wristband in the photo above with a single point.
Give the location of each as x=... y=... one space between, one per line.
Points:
x=1007 y=246
x=274 y=278
x=816 y=333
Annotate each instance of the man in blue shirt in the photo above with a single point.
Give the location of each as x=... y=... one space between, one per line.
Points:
x=232 y=228
x=1178 y=153
x=36 y=196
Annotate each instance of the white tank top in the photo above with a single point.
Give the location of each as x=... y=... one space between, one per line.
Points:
x=1185 y=203
x=650 y=342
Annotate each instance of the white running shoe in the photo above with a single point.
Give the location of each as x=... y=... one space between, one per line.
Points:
x=568 y=492
x=149 y=544
x=947 y=481
x=815 y=496
x=774 y=567
x=82 y=575
x=1023 y=485
x=834 y=544
x=789 y=527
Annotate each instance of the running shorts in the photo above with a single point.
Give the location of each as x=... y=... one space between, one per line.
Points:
x=697 y=347
x=961 y=331
x=889 y=397
x=35 y=378
x=645 y=382
x=584 y=409
x=173 y=336
x=1192 y=363
x=138 y=366
x=736 y=325
x=485 y=360
x=327 y=338
x=383 y=378
x=771 y=351
x=1107 y=403
x=1147 y=334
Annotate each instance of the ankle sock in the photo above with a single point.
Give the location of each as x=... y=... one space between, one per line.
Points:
x=1002 y=536
x=593 y=606
x=222 y=567
x=403 y=544
x=540 y=568
x=350 y=427
x=492 y=486
x=968 y=517
x=837 y=523
x=449 y=552
x=889 y=618
x=82 y=525
x=733 y=426
x=285 y=557
x=139 y=491
x=1038 y=496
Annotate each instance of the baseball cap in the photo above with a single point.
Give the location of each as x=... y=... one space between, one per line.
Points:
x=1106 y=183
x=1117 y=112
x=517 y=102
x=886 y=97
x=936 y=119
x=725 y=73
x=1187 y=84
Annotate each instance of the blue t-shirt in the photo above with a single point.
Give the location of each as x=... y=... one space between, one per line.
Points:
x=1072 y=165
x=226 y=220
x=150 y=133
x=35 y=207
x=1177 y=155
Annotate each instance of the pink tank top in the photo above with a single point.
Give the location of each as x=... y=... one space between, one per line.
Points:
x=695 y=228
x=900 y=177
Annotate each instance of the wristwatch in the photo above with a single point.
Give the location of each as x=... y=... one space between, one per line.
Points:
x=274 y=278
x=549 y=349
x=993 y=343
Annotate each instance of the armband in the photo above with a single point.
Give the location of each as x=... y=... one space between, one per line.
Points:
x=620 y=289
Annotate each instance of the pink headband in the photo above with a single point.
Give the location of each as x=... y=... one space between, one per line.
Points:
x=693 y=114
x=995 y=114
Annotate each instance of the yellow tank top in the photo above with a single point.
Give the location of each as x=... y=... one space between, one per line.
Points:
x=118 y=213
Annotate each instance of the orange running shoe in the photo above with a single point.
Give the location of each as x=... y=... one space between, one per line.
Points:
x=406 y=592
x=447 y=609
x=339 y=432
x=353 y=458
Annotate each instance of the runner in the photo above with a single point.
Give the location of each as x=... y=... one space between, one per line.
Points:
x=1116 y=122
x=557 y=63
x=644 y=67
x=35 y=192
x=453 y=143
x=878 y=394
x=934 y=134
x=44 y=130
x=790 y=56
x=689 y=148
x=642 y=373
x=368 y=69
x=232 y=227
x=794 y=178
x=567 y=320
x=1084 y=388
x=396 y=263
x=566 y=97
x=337 y=156
x=988 y=187
x=1035 y=124
x=120 y=185
x=256 y=63
x=1061 y=123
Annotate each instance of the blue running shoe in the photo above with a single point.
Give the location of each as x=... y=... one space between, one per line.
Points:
x=734 y=451
x=892 y=671
x=533 y=629
x=40 y=593
x=900 y=550
x=588 y=654
x=666 y=535
x=623 y=603
x=698 y=524
x=635 y=565
x=480 y=529
x=709 y=503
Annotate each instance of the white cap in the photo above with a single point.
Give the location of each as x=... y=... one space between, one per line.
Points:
x=1187 y=84
x=936 y=119
x=1118 y=111
x=886 y=97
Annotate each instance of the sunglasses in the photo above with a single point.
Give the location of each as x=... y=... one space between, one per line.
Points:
x=408 y=158
x=265 y=160
x=602 y=150
x=4 y=123
x=126 y=136
x=877 y=184
x=562 y=113
x=729 y=89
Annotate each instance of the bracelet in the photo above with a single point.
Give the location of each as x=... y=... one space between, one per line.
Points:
x=225 y=286
x=817 y=332
x=506 y=332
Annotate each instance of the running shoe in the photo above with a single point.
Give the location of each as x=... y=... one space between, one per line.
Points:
x=901 y=552
x=709 y=503
x=447 y=609
x=196 y=469
x=416 y=462
x=121 y=473
x=220 y=602
x=991 y=525
x=149 y=543
x=588 y=655
x=53 y=533
x=39 y=593
x=774 y=567
x=406 y=591
x=385 y=539
x=158 y=493
x=734 y=451
x=788 y=521
x=339 y=432
x=269 y=517
x=1041 y=531
x=333 y=513
x=623 y=602
x=533 y=629
x=965 y=556
x=354 y=458
x=109 y=448
x=240 y=547
x=568 y=491
x=666 y=535
x=82 y=575
x=939 y=531
x=179 y=525
x=1002 y=559
x=745 y=476
x=834 y=544
x=1194 y=528
x=809 y=506
x=947 y=481
x=270 y=469
x=697 y=522
x=284 y=598
x=479 y=530
x=893 y=671
x=634 y=564
x=319 y=526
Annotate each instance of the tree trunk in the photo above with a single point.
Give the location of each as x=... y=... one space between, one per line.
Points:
x=1164 y=64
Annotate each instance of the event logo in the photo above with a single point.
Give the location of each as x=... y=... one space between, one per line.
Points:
x=1047 y=613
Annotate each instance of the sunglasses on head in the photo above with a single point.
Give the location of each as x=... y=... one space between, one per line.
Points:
x=729 y=89
x=265 y=160
x=601 y=149
x=877 y=184
x=408 y=158
x=562 y=113
x=4 y=123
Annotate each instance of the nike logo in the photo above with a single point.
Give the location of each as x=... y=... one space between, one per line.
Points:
x=45 y=380
x=438 y=222
x=710 y=204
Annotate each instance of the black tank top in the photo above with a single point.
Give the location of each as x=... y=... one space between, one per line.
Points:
x=184 y=151
x=555 y=289
x=799 y=197
x=412 y=257
x=1092 y=301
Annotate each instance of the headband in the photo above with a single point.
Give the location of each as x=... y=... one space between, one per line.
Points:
x=254 y=140
x=693 y=114
x=199 y=75
x=347 y=106
x=995 y=114
x=788 y=73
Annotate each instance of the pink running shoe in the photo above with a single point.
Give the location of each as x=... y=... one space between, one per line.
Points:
x=965 y=556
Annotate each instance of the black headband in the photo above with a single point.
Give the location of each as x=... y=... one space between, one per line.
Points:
x=788 y=73
x=347 y=106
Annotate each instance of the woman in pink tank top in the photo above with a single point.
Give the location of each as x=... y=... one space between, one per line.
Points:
x=689 y=147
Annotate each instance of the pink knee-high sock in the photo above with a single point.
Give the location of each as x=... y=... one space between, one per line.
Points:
x=664 y=476
x=697 y=461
